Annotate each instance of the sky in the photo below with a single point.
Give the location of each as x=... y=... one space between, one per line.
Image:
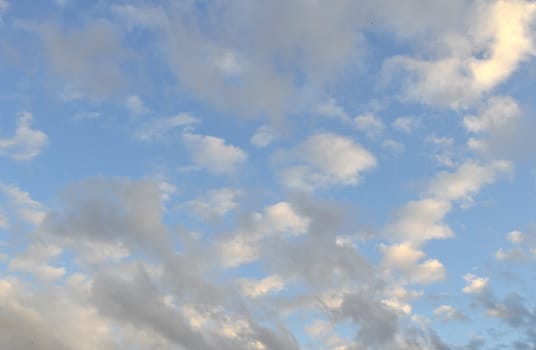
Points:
x=267 y=175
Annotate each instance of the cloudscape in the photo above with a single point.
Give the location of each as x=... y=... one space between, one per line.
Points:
x=267 y=174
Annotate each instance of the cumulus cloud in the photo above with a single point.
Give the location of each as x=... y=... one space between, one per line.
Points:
x=467 y=180
x=325 y=160
x=25 y=209
x=35 y=261
x=475 y=284
x=258 y=288
x=213 y=153
x=26 y=143
x=448 y=312
x=407 y=259
x=459 y=77
x=499 y=112
x=405 y=124
x=279 y=219
x=421 y=220
x=369 y=123
x=331 y=109
x=215 y=204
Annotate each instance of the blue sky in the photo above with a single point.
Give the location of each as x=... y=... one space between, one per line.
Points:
x=267 y=174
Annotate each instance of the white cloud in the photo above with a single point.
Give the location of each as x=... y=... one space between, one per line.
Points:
x=281 y=218
x=213 y=153
x=25 y=208
x=263 y=136
x=369 y=124
x=135 y=105
x=327 y=160
x=157 y=128
x=216 y=203
x=467 y=180
x=406 y=124
x=230 y=62
x=406 y=258
x=278 y=219
x=515 y=237
x=35 y=261
x=499 y=112
x=393 y=146
x=429 y=271
x=421 y=220
x=448 y=312
x=331 y=109
x=515 y=254
x=403 y=255
x=507 y=29
x=238 y=251
x=500 y=32
x=27 y=143
x=475 y=285
x=258 y=288
x=444 y=154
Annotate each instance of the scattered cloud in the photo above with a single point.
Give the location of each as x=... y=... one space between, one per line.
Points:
x=135 y=105
x=157 y=128
x=325 y=160
x=213 y=153
x=26 y=143
x=263 y=136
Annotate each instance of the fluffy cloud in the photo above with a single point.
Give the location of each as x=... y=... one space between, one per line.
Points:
x=277 y=220
x=369 y=124
x=421 y=220
x=325 y=160
x=35 y=262
x=405 y=124
x=459 y=76
x=447 y=312
x=24 y=208
x=215 y=204
x=498 y=113
x=257 y=288
x=467 y=180
x=406 y=258
x=475 y=284
x=213 y=153
x=27 y=143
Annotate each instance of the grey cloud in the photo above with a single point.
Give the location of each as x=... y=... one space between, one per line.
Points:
x=111 y=211
x=240 y=61
x=377 y=324
x=131 y=297
x=88 y=58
